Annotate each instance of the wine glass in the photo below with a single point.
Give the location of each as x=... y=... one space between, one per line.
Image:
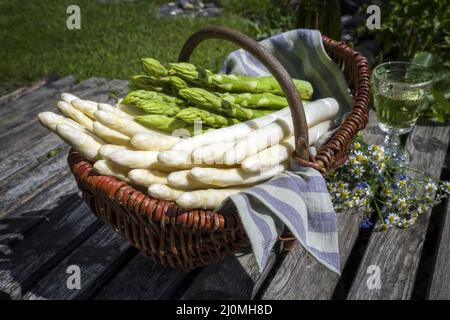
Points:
x=400 y=90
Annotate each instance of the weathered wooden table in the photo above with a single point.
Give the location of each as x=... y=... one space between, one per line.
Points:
x=45 y=228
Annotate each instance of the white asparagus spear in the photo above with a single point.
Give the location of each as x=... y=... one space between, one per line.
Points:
x=123 y=125
x=79 y=140
x=107 y=149
x=183 y=180
x=182 y=160
x=68 y=97
x=50 y=120
x=269 y=157
x=316 y=111
x=279 y=153
x=232 y=133
x=110 y=108
x=134 y=159
x=145 y=178
x=212 y=153
x=176 y=158
x=76 y=115
x=107 y=168
x=85 y=106
x=206 y=199
x=110 y=135
x=151 y=142
x=232 y=177
x=163 y=192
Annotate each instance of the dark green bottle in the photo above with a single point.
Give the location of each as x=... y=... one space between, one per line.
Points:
x=323 y=15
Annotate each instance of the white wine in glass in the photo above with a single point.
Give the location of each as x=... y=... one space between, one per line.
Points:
x=400 y=90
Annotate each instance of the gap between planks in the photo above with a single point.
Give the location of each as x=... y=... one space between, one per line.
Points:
x=440 y=282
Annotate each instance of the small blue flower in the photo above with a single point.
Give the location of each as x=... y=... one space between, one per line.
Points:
x=366 y=224
x=402 y=177
x=363 y=185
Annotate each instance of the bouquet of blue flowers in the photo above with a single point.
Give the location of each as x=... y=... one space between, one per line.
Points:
x=370 y=181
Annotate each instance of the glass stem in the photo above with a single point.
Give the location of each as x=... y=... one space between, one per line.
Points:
x=393 y=147
x=392 y=144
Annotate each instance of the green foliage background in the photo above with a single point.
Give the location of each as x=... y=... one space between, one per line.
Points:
x=113 y=37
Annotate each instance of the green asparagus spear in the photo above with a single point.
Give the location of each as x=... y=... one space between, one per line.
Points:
x=192 y=114
x=236 y=83
x=136 y=96
x=148 y=83
x=256 y=100
x=158 y=107
x=262 y=112
x=161 y=122
x=189 y=72
x=177 y=83
x=154 y=68
x=215 y=103
x=202 y=98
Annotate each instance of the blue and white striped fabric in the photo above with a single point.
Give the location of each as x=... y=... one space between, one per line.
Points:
x=298 y=198
x=302 y=53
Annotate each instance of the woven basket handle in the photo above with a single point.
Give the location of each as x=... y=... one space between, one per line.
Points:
x=272 y=64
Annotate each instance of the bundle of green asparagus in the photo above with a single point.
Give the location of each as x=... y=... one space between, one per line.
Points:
x=245 y=137
x=182 y=95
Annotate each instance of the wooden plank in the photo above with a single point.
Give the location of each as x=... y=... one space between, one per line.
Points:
x=51 y=242
x=440 y=283
x=39 y=141
x=237 y=277
x=26 y=131
x=17 y=226
x=98 y=258
x=29 y=157
x=300 y=276
x=36 y=175
x=143 y=278
x=22 y=91
x=14 y=112
x=397 y=252
x=26 y=184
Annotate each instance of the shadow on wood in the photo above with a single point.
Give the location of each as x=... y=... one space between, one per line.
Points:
x=66 y=228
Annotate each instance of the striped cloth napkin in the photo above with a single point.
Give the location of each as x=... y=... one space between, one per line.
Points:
x=297 y=199
x=302 y=53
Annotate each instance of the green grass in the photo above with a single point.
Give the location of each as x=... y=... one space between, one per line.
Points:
x=113 y=37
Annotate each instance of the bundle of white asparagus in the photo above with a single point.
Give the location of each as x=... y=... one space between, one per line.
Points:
x=195 y=172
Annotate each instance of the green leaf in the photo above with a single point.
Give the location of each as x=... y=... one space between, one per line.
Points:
x=427 y=59
x=441 y=101
x=54 y=152
x=439 y=106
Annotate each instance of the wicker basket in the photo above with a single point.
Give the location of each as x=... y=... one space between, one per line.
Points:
x=193 y=238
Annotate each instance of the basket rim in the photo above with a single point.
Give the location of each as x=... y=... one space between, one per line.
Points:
x=169 y=213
